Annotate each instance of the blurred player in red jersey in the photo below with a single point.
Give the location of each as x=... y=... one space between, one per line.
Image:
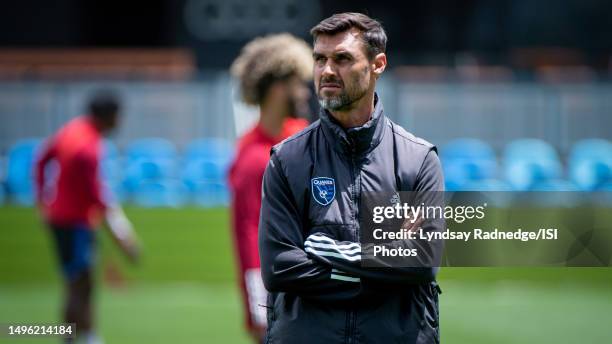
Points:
x=273 y=72
x=72 y=203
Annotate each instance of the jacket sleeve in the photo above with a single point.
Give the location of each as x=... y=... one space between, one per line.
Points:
x=346 y=256
x=285 y=266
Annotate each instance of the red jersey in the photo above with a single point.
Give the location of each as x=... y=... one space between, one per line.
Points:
x=245 y=179
x=74 y=196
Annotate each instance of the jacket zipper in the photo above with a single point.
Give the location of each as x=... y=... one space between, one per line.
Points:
x=355 y=192
x=353 y=186
x=357 y=197
x=350 y=331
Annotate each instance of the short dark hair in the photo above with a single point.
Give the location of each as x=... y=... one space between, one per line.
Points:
x=373 y=35
x=103 y=104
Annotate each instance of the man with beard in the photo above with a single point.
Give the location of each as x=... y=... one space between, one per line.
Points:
x=309 y=226
x=272 y=72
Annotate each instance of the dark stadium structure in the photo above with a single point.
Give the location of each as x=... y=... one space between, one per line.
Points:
x=517 y=33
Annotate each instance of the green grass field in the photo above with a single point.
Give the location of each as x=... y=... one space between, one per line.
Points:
x=184 y=290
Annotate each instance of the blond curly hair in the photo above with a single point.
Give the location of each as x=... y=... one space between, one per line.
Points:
x=267 y=59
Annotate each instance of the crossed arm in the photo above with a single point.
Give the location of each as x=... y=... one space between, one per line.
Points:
x=291 y=262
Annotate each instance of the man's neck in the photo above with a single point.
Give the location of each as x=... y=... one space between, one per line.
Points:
x=358 y=115
x=100 y=127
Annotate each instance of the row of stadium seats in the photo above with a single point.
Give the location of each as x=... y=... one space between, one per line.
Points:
x=527 y=165
x=151 y=172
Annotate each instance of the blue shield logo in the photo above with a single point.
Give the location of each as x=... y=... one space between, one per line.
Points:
x=323 y=190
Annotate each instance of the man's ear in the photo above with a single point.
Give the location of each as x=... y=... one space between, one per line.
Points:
x=379 y=63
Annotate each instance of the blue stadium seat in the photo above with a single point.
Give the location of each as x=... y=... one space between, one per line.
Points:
x=110 y=165
x=495 y=191
x=149 y=170
x=2 y=179
x=530 y=162
x=2 y=192
x=203 y=170
x=149 y=163
x=466 y=161
x=486 y=185
x=606 y=187
x=554 y=193
x=113 y=192
x=555 y=185
x=530 y=149
x=109 y=150
x=166 y=193
x=20 y=168
x=110 y=170
x=603 y=195
x=206 y=162
x=206 y=180
x=211 y=194
x=209 y=149
x=590 y=163
x=151 y=148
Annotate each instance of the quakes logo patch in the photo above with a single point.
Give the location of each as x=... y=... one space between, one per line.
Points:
x=323 y=190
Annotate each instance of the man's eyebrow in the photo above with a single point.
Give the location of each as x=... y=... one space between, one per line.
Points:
x=340 y=53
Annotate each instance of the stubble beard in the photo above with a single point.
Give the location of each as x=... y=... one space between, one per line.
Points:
x=346 y=99
x=336 y=103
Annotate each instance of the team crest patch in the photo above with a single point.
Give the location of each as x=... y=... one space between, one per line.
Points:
x=323 y=189
x=395 y=199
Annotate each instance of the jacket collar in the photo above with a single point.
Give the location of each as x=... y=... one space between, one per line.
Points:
x=358 y=140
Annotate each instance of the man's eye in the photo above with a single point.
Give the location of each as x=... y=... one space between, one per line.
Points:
x=319 y=59
x=342 y=58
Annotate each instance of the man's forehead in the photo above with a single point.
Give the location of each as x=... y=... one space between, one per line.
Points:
x=349 y=40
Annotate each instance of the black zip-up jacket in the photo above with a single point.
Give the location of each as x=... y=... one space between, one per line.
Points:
x=309 y=241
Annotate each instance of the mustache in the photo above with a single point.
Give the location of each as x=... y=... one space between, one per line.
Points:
x=331 y=80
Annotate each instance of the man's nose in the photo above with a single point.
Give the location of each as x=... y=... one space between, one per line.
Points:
x=328 y=70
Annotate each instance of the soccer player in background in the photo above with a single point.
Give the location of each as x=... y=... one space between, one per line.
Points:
x=272 y=72
x=70 y=196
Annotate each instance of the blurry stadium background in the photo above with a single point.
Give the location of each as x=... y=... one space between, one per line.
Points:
x=516 y=94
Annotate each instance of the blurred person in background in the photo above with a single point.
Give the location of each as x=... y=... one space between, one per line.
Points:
x=272 y=72
x=70 y=195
